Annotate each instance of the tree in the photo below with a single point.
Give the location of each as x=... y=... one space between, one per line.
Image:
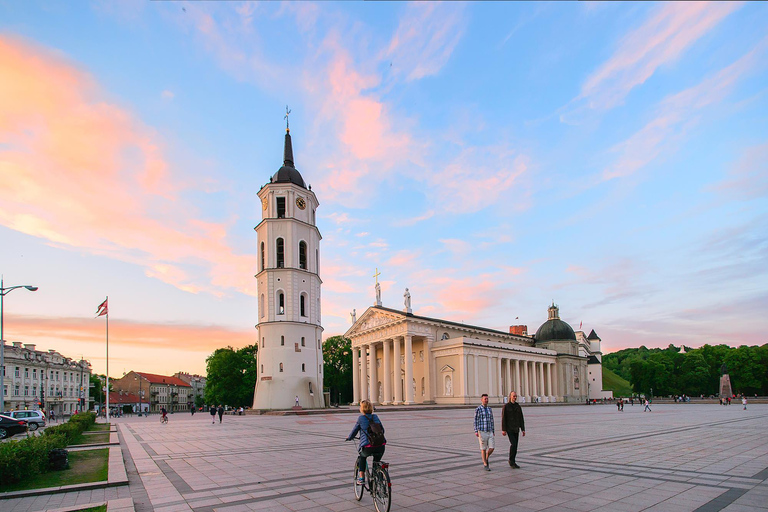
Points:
x=337 y=361
x=231 y=376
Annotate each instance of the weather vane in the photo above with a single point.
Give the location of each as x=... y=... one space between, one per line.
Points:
x=287 y=113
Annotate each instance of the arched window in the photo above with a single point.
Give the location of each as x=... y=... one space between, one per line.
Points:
x=303 y=255
x=262 y=255
x=302 y=367
x=317 y=261
x=302 y=307
x=310 y=389
x=280 y=248
x=280 y=303
x=262 y=368
x=281 y=367
x=261 y=305
x=262 y=342
x=302 y=341
x=282 y=341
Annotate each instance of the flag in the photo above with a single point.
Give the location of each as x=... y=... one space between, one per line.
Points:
x=579 y=323
x=103 y=309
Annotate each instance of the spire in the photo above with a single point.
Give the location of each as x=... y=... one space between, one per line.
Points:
x=288 y=151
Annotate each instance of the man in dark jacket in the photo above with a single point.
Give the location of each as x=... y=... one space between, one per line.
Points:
x=512 y=423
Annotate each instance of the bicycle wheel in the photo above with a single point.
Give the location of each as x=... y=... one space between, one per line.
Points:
x=382 y=491
x=358 y=487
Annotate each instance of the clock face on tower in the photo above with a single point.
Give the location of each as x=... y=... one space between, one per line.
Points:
x=301 y=203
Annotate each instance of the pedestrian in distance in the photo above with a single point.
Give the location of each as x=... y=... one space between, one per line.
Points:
x=213 y=414
x=512 y=424
x=297 y=400
x=221 y=412
x=744 y=402
x=484 y=430
x=647 y=406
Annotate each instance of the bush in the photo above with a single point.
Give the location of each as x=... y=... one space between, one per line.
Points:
x=27 y=457
x=76 y=425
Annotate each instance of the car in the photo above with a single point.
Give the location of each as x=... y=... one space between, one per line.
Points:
x=11 y=426
x=34 y=419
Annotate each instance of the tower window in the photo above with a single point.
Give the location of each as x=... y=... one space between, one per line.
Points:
x=281 y=303
x=302 y=341
x=280 y=248
x=281 y=367
x=262 y=342
x=261 y=305
x=303 y=255
x=262 y=368
x=302 y=367
x=280 y=207
x=302 y=306
x=282 y=341
x=262 y=255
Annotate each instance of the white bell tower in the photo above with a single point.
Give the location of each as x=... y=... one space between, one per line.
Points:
x=290 y=356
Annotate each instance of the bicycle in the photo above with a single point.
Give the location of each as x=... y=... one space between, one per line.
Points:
x=377 y=483
x=164 y=419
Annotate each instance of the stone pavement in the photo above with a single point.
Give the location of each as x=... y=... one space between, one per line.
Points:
x=680 y=457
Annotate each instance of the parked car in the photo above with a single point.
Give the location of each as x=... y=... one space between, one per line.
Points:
x=34 y=419
x=11 y=426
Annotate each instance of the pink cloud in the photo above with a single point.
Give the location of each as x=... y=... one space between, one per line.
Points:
x=84 y=173
x=661 y=40
x=748 y=178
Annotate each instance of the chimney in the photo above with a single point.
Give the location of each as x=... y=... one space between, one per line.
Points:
x=16 y=344
x=519 y=330
x=29 y=346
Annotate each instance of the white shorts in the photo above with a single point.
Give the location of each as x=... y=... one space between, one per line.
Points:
x=486 y=440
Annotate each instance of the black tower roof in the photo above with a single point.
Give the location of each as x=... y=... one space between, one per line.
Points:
x=288 y=173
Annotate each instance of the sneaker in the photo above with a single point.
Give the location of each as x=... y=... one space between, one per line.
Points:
x=515 y=466
x=360 y=481
x=488 y=467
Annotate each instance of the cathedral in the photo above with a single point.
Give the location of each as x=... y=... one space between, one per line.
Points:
x=290 y=356
x=402 y=358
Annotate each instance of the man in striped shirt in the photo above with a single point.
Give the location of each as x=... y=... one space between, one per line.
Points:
x=484 y=430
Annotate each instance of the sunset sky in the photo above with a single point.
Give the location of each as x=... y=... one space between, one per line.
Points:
x=491 y=157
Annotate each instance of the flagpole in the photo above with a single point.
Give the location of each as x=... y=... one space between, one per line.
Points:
x=107 y=360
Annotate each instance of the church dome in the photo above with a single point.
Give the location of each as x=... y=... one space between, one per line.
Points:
x=288 y=173
x=554 y=329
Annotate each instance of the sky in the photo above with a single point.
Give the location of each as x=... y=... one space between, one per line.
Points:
x=492 y=157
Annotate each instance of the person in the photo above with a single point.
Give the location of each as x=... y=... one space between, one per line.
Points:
x=484 y=430
x=213 y=414
x=297 y=400
x=53 y=415
x=647 y=406
x=512 y=424
x=164 y=419
x=744 y=402
x=366 y=447
x=221 y=412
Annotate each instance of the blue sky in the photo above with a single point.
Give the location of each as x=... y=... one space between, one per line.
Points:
x=492 y=157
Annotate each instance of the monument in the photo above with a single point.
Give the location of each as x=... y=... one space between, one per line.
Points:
x=290 y=357
x=725 y=382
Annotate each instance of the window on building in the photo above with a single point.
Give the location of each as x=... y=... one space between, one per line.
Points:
x=26 y=373
x=302 y=341
x=280 y=248
x=310 y=389
x=26 y=390
x=261 y=305
x=281 y=367
x=302 y=307
x=303 y=255
x=16 y=391
x=280 y=207
x=262 y=256
x=317 y=261
x=302 y=367
x=262 y=368
x=445 y=336
x=282 y=341
x=17 y=373
x=281 y=303
x=262 y=342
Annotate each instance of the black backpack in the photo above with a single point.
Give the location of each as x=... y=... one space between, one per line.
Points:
x=375 y=434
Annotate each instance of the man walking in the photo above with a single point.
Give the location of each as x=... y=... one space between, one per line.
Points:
x=221 y=412
x=213 y=414
x=484 y=430
x=647 y=406
x=512 y=423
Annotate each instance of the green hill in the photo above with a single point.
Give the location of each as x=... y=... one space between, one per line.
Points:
x=613 y=382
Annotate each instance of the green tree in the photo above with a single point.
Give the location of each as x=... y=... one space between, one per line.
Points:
x=231 y=376
x=745 y=369
x=337 y=364
x=694 y=375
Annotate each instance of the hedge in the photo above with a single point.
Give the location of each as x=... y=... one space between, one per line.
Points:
x=27 y=457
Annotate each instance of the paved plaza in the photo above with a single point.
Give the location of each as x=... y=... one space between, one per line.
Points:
x=680 y=457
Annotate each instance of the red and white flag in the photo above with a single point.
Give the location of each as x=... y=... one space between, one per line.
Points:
x=579 y=322
x=103 y=309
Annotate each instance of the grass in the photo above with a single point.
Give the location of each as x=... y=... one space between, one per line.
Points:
x=618 y=385
x=99 y=426
x=101 y=508
x=101 y=437
x=84 y=467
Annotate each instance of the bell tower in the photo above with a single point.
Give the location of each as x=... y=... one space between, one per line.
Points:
x=290 y=357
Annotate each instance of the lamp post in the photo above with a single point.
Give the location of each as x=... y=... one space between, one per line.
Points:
x=3 y=292
x=141 y=393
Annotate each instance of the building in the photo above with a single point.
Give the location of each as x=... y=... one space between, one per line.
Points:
x=33 y=379
x=120 y=399
x=402 y=358
x=590 y=347
x=157 y=390
x=197 y=382
x=290 y=358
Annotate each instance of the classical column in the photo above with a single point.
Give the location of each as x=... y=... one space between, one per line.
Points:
x=363 y=372
x=374 y=392
x=555 y=390
x=499 y=386
x=509 y=377
x=464 y=375
x=355 y=376
x=541 y=382
x=387 y=380
x=518 y=389
x=428 y=394
x=490 y=378
x=549 y=382
x=408 y=369
x=476 y=391
x=526 y=383
x=535 y=378
x=397 y=371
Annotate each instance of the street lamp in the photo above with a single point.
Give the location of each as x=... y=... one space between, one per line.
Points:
x=3 y=292
x=141 y=393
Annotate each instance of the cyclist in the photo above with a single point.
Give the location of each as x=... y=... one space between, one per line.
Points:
x=165 y=415
x=367 y=446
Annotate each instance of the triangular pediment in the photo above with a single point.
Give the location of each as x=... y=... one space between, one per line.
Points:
x=373 y=318
x=447 y=368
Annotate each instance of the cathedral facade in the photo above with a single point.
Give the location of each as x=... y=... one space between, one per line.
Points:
x=290 y=357
x=402 y=358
